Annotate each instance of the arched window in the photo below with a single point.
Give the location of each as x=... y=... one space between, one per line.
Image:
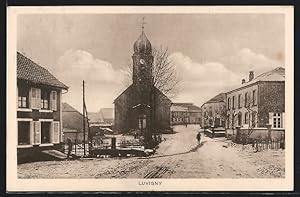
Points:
x=246 y=118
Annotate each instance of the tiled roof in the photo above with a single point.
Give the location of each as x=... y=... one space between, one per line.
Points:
x=68 y=108
x=31 y=71
x=219 y=98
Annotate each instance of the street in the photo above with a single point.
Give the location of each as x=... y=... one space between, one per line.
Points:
x=179 y=156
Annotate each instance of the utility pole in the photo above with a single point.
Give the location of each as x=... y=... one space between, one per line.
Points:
x=83 y=112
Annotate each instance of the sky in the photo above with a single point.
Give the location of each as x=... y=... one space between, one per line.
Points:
x=211 y=52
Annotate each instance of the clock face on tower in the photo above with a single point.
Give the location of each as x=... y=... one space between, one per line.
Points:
x=142 y=61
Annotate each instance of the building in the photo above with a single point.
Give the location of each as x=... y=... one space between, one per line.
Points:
x=185 y=113
x=101 y=122
x=258 y=102
x=107 y=115
x=214 y=112
x=73 y=124
x=134 y=107
x=39 y=110
x=95 y=118
x=104 y=117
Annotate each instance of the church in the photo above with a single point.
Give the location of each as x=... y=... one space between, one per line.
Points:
x=135 y=106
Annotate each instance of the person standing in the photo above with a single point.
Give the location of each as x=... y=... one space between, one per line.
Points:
x=199 y=137
x=70 y=146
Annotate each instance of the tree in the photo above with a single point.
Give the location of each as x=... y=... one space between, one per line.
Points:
x=251 y=112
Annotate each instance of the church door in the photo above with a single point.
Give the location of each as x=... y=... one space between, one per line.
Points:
x=142 y=123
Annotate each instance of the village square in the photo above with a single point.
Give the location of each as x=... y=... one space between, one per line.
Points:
x=152 y=117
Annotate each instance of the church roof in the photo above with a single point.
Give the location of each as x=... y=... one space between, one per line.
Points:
x=219 y=98
x=131 y=86
x=142 y=45
x=30 y=71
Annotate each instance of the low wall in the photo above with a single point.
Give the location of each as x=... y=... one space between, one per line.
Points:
x=259 y=133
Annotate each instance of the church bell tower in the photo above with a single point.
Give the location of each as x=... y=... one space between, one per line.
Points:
x=142 y=65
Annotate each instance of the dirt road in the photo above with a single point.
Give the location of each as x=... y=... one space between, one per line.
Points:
x=178 y=157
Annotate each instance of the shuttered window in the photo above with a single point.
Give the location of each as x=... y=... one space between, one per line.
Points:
x=35 y=98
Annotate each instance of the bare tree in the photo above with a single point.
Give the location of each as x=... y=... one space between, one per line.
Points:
x=163 y=73
x=251 y=113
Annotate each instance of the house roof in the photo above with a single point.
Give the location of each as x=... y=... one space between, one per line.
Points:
x=275 y=75
x=178 y=108
x=218 y=98
x=72 y=119
x=107 y=113
x=95 y=117
x=131 y=86
x=185 y=106
x=31 y=71
x=68 y=108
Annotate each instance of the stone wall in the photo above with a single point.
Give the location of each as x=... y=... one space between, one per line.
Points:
x=271 y=99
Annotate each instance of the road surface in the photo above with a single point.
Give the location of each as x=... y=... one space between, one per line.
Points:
x=179 y=156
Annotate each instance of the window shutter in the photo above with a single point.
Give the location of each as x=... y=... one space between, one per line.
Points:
x=17 y=98
x=283 y=119
x=51 y=132
x=55 y=130
x=38 y=98
x=31 y=99
x=50 y=100
x=271 y=119
x=53 y=99
x=37 y=133
x=31 y=132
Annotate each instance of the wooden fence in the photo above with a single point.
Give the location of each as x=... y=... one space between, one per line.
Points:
x=77 y=149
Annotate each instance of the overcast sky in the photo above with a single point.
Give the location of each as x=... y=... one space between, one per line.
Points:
x=212 y=52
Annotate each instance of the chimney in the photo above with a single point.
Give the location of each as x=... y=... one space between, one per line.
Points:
x=243 y=81
x=251 y=75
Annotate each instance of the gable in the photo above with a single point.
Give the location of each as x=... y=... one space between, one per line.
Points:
x=160 y=93
x=124 y=92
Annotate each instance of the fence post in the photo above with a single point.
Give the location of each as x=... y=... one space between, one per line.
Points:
x=113 y=143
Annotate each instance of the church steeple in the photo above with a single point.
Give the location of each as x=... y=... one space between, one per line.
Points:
x=142 y=45
x=142 y=59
